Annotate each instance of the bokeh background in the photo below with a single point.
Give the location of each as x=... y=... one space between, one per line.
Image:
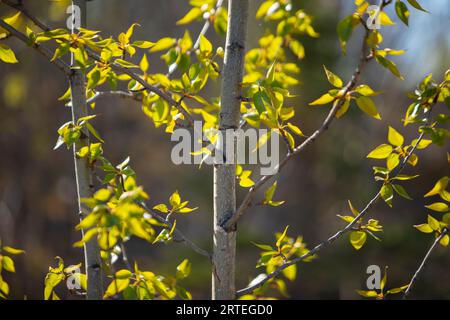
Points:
x=37 y=187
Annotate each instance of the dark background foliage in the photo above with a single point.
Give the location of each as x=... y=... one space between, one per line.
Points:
x=37 y=187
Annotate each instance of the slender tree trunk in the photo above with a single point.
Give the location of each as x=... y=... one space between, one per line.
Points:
x=83 y=172
x=224 y=252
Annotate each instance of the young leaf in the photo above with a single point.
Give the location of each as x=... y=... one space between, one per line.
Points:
x=381 y=152
x=333 y=79
x=424 y=227
x=395 y=138
x=438 y=207
x=366 y=104
x=401 y=191
x=416 y=5
x=357 y=239
x=324 y=99
x=387 y=194
x=402 y=11
x=7 y=55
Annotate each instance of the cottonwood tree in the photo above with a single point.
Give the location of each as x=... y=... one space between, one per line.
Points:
x=255 y=92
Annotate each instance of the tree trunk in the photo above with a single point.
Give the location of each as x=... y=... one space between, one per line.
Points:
x=224 y=251
x=83 y=173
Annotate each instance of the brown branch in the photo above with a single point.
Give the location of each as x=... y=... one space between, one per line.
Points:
x=64 y=67
x=424 y=262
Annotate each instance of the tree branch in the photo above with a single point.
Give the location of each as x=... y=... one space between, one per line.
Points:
x=229 y=224
x=64 y=67
x=343 y=231
x=364 y=58
x=177 y=232
x=423 y=263
x=120 y=94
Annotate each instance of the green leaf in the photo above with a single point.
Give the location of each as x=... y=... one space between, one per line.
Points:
x=393 y=161
x=433 y=223
x=296 y=130
x=7 y=55
x=357 y=239
x=205 y=45
x=7 y=264
x=126 y=64
x=424 y=227
x=162 y=208
x=391 y=66
x=163 y=44
x=401 y=191
x=387 y=193
x=51 y=281
x=290 y=272
x=116 y=286
x=14 y=251
x=445 y=240
x=259 y=99
x=175 y=199
x=365 y=90
x=395 y=138
x=244 y=179
x=416 y=5
x=367 y=105
x=264 y=247
x=381 y=152
x=282 y=236
x=384 y=280
x=345 y=30
x=438 y=207
x=333 y=79
x=367 y=294
x=397 y=290
x=183 y=269
x=402 y=12
x=192 y=15
x=324 y=99
x=438 y=187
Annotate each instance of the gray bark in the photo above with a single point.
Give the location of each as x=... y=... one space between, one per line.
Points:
x=224 y=252
x=83 y=174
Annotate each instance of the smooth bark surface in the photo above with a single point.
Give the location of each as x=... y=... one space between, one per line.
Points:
x=224 y=254
x=83 y=174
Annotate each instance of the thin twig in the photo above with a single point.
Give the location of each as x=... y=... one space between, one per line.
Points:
x=424 y=262
x=177 y=232
x=125 y=256
x=120 y=94
x=230 y=223
x=348 y=227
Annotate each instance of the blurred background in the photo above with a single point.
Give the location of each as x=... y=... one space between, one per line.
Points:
x=37 y=186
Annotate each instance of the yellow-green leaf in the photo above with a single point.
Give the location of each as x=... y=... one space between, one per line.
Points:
x=381 y=152
x=438 y=206
x=333 y=79
x=394 y=137
x=7 y=55
x=324 y=99
x=357 y=239
x=368 y=106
